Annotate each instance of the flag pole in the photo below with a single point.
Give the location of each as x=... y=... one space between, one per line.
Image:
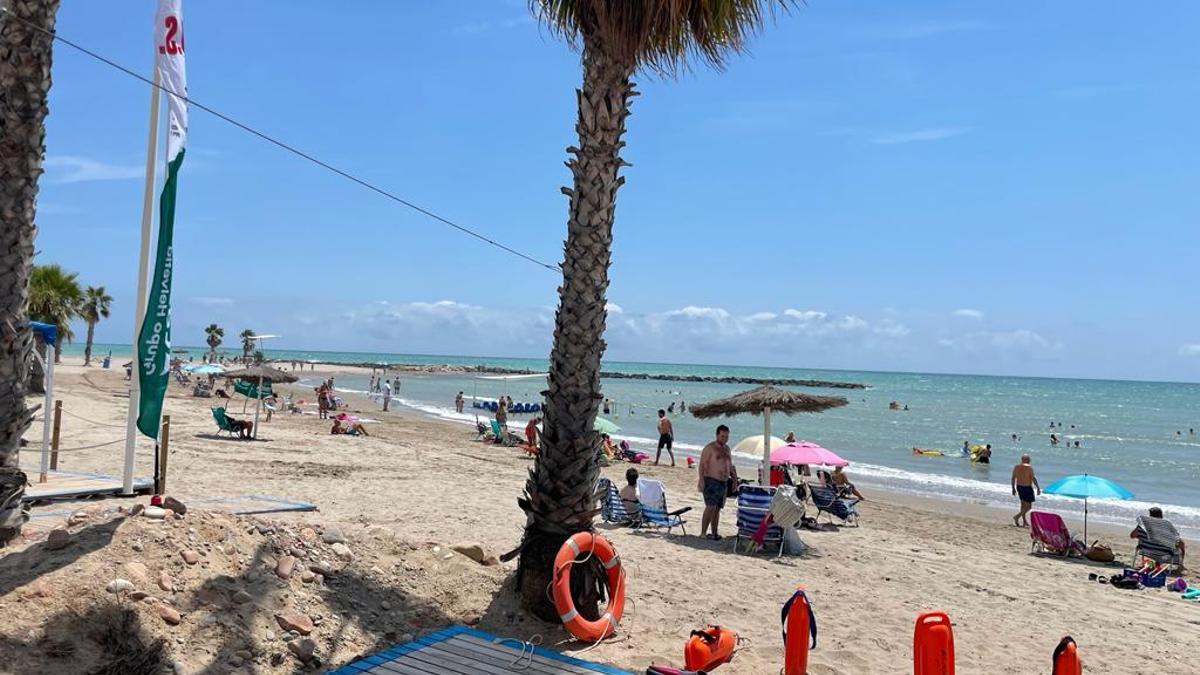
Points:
x=140 y=300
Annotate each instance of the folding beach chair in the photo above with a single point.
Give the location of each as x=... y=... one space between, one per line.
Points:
x=827 y=501
x=223 y=423
x=612 y=508
x=1049 y=534
x=652 y=500
x=753 y=507
x=1157 y=540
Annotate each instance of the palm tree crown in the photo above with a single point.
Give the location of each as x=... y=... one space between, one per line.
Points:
x=663 y=35
x=247 y=337
x=96 y=305
x=55 y=297
x=213 y=335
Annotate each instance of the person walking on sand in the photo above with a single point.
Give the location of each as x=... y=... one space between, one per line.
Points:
x=387 y=395
x=458 y=402
x=1023 y=484
x=666 y=436
x=716 y=470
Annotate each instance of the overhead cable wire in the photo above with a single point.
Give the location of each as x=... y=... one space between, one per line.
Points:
x=287 y=147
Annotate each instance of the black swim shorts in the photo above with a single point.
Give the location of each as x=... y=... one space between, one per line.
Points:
x=664 y=441
x=714 y=492
x=1025 y=493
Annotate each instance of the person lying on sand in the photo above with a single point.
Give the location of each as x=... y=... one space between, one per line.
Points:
x=351 y=429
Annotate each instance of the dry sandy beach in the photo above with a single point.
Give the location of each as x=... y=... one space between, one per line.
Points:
x=416 y=486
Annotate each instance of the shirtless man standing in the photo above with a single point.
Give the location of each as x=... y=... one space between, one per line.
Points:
x=716 y=469
x=666 y=436
x=1023 y=484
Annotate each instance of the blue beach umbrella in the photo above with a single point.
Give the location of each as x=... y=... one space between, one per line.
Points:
x=1085 y=486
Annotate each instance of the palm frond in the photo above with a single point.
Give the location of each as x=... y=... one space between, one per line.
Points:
x=663 y=35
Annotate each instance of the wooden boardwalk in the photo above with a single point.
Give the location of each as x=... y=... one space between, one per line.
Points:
x=75 y=484
x=459 y=650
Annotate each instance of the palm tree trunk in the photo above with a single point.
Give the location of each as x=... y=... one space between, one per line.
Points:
x=24 y=84
x=560 y=492
x=87 y=348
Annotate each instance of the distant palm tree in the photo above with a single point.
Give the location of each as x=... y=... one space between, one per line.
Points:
x=56 y=297
x=96 y=306
x=247 y=337
x=615 y=38
x=25 y=57
x=213 y=335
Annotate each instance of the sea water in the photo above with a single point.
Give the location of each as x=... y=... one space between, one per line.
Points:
x=1135 y=433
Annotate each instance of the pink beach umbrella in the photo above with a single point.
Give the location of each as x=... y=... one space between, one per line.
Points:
x=804 y=452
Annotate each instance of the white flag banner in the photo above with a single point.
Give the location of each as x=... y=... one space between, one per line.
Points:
x=169 y=40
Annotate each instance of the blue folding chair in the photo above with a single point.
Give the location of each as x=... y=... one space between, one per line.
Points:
x=753 y=505
x=656 y=515
x=827 y=501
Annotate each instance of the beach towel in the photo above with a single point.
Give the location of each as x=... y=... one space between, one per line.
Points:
x=652 y=492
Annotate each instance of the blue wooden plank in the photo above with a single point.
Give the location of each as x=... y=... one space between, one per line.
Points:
x=397 y=653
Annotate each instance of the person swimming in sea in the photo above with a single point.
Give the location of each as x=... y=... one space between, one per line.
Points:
x=966 y=449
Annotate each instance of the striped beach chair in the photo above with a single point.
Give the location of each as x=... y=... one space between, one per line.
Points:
x=612 y=508
x=1157 y=540
x=753 y=506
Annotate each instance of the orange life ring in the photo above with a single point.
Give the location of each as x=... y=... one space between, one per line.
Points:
x=933 y=645
x=591 y=544
x=1066 y=658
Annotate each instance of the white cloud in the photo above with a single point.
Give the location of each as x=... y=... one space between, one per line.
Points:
x=212 y=302
x=73 y=169
x=917 y=30
x=693 y=312
x=920 y=136
x=805 y=315
x=969 y=313
x=614 y=308
x=1021 y=341
x=693 y=331
x=1190 y=350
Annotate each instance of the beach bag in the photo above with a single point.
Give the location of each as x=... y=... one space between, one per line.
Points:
x=1098 y=552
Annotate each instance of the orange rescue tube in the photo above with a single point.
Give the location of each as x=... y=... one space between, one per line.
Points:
x=1066 y=658
x=709 y=648
x=799 y=626
x=933 y=645
x=588 y=543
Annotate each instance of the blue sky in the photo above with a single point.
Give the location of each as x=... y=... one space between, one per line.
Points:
x=975 y=187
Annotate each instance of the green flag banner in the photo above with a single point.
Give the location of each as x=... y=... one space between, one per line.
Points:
x=154 y=338
x=250 y=390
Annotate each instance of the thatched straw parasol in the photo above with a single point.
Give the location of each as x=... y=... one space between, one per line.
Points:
x=764 y=401
x=260 y=373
